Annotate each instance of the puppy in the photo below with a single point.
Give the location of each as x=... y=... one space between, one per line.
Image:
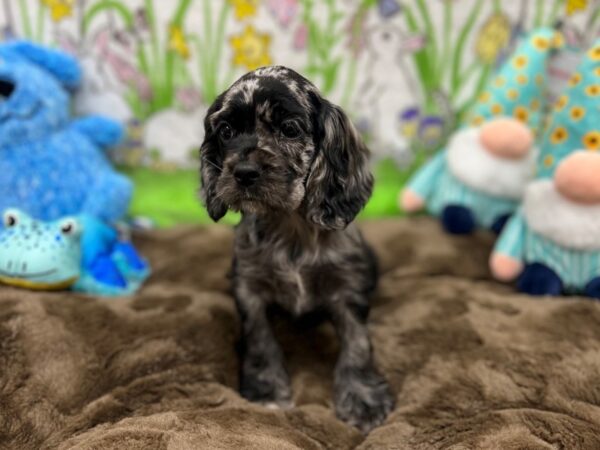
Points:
x=294 y=166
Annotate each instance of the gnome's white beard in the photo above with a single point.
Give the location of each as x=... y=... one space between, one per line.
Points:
x=479 y=169
x=550 y=214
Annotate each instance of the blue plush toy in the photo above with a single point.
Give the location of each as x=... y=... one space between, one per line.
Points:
x=52 y=166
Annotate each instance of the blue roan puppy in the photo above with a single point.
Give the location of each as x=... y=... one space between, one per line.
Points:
x=294 y=166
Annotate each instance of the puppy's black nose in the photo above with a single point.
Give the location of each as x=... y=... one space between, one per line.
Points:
x=246 y=173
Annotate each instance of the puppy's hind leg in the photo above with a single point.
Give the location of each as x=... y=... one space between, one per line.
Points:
x=362 y=396
x=263 y=376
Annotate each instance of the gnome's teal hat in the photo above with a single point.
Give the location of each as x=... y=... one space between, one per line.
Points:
x=575 y=121
x=520 y=84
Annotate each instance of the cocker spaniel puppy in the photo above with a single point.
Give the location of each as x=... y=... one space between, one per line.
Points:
x=294 y=166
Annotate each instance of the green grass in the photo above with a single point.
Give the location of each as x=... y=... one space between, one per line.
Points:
x=170 y=198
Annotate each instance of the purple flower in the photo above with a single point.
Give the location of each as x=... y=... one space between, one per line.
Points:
x=409 y=114
x=283 y=10
x=431 y=130
x=409 y=121
x=388 y=8
x=8 y=33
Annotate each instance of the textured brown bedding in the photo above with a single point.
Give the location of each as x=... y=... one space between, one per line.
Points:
x=473 y=364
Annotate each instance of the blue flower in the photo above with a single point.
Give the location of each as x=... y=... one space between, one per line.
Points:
x=409 y=121
x=431 y=130
x=388 y=8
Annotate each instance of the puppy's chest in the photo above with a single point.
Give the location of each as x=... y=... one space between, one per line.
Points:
x=298 y=281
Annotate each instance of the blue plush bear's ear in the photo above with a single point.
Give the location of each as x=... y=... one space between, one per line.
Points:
x=63 y=66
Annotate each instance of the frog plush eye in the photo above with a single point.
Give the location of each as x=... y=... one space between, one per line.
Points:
x=11 y=219
x=69 y=227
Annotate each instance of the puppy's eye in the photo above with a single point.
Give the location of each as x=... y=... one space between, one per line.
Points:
x=290 y=129
x=225 y=132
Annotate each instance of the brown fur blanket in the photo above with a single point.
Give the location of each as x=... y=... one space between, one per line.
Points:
x=473 y=364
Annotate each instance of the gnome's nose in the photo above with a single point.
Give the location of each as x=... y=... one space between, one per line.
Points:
x=506 y=137
x=577 y=179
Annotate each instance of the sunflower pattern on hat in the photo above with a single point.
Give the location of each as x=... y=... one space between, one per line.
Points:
x=520 y=84
x=575 y=120
x=553 y=242
x=512 y=99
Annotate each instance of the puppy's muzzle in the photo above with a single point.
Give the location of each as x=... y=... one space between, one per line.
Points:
x=246 y=173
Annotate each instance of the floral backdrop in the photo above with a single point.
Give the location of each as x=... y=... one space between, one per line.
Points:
x=406 y=71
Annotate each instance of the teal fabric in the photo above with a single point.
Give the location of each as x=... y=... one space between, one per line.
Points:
x=574 y=267
x=575 y=120
x=440 y=188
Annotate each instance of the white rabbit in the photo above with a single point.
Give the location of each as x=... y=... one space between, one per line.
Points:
x=107 y=73
x=176 y=135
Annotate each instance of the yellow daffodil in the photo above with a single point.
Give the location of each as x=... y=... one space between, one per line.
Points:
x=59 y=9
x=244 y=8
x=575 y=5
x=493 y=37
x=251 y=49
x=178 y=43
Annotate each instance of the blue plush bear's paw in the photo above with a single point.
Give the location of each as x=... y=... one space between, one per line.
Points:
x=592 y=289
x=538 y=279
x=457 y=219
x=102 y=131
x=500 y=223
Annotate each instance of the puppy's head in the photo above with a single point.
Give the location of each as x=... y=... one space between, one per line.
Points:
x=273 y=144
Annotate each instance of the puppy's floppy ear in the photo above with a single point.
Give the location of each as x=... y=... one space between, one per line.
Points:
x=211 y=165
x=340 y=182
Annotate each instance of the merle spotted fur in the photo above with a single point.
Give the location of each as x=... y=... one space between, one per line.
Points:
x=292 y=163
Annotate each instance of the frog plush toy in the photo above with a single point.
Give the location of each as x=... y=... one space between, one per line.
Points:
x=478 y=181
x=52 y=166
x=552 y=244
x=36 y=255
x=41 y=255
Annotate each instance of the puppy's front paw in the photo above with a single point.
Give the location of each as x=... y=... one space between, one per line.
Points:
x=363 y=399
x=268 y=385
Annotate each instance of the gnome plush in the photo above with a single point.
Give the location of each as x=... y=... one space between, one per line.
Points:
x=479 y=179
x=552 y=243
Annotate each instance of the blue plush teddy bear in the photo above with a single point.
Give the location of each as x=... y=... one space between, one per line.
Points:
x=52 y=166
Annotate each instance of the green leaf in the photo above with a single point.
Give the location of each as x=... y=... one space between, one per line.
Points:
x=460 y=44
x=105 y=5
